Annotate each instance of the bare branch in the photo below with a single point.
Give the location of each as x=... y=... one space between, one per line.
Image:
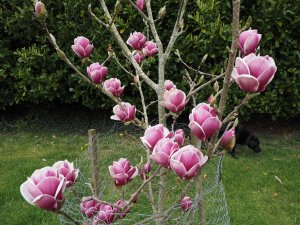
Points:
x=229 y=68
x=176 y=28
x=113 y=30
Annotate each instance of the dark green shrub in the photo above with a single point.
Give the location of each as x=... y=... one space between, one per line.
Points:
x=31 y=72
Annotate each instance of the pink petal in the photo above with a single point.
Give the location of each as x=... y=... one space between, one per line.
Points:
x=192 y=172
x=203 y=160
x=78 y=50
x=200 y=116
x=258 y=65
x=161 y=159
x=114 y=117
x=49 y=185
x=210 y=126
x=247 y=83
x=83 y=41
x=121 y=179
x=176 y=97
x=46 y=202
x=29 y=191
x=197 y=130
x=117 y=168
x=177 y=167
x=189 y=159
x=88 y=50
x=241 y=66
x=234 y=74
x=249 y=57
x=169 y=106
x=266 y=77
x=133 y=172
x=60 y=189
x=250 y=44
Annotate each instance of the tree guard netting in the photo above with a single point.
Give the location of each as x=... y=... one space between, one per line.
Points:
x=117 y=143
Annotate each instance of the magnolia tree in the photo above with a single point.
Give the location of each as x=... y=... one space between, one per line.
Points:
x=168 y=150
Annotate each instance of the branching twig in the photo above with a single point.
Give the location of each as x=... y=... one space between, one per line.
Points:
x=176 y=32
x=115 y=33
x=229 y=68
x=143 y=185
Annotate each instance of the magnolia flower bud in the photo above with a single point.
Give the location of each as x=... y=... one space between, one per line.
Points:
x=162 y=12
x=140 y=4
x=211 y=100
x=40 y=9
x=136 y=197
x=186 y=203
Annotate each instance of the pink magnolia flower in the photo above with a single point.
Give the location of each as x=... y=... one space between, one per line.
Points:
x=44 y=189
x=68 y=171
x=163 y=150
x=122 y=214
x=186 y=203
x=204 y=121
x=96 y=72
x=140 y=4
x=248 y=41
x=39 y=9
x=153 y=134
x=150 y=48
x=138 y=57
x=124 y=112
x=228 y=140
x=122 y=171
x=136 y=40
x=179 y=137
x=187 y=161
x=105 y=215
x=174 y=100
x=82 y=47
x=89 y=207
x=169 y=85
x=113 y=85
x=253 y=73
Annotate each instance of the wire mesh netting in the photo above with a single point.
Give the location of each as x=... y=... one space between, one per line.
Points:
x=206 y=190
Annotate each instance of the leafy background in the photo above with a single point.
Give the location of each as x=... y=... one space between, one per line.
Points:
x=31 y=73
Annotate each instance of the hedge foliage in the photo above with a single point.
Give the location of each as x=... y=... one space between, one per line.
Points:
x=31 y=72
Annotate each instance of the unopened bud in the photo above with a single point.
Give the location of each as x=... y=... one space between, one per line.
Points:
x=216 y=86
x=181 y=24
x=162 y=12
x=200 y=79
x=211 y=100
x=135 y=79
x=135 y=197
x=228 y=140
x=147 y=167
x=52 y=38
x=235 y=123
x=118 y=7
x=61 y=54
x=204 y=58
x=40 y=9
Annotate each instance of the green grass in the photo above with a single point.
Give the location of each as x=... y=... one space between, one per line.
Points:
x=254 y=195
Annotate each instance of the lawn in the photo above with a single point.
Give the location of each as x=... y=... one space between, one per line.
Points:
x=260 y=189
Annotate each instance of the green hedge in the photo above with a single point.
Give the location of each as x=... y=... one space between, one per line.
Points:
x=31 y=72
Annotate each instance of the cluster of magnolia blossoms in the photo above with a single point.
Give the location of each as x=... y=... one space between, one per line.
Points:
x=252 y=72
x=97 y=72
x=166 y=150
x=102 y=213
x=45 y=187
x=141 y=46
